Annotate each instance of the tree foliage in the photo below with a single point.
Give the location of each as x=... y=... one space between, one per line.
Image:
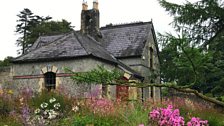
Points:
x=27 y=20
x=197 y=56
x=31 y=26
x=6 y=62
x=99 y=75
x=49 y=28
x=203 y=19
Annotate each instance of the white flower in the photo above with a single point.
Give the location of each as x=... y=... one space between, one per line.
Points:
x=57 y=105
x=75 y=108
x=40 y=118
x=51 y=111
x=52 y=114
x=44 y=105
x=52 y=100
x=37 y=111
x=45 y=113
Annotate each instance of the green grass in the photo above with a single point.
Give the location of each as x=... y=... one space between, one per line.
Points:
x=9 y=121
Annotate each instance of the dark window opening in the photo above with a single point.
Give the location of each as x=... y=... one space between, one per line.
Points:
x=151 y=93
x=50 y=80
x=104 y=90
x=151 y=57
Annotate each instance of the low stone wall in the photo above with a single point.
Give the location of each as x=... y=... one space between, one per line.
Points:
x=5 y=76
x=191 y=100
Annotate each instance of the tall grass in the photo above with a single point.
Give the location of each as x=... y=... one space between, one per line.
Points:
x=96 y=112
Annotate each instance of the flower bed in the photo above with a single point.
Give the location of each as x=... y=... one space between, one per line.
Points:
x=56 y=108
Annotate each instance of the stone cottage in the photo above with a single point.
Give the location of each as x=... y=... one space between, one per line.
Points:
x=131 y=48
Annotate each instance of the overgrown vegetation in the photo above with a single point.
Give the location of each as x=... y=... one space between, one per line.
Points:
x=6 y=62
x=57 y=108
x=98 y=75
x=194 y=56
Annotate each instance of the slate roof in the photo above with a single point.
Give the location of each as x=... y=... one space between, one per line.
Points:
x=118 y=41
x=126 y=40
x=66 y=46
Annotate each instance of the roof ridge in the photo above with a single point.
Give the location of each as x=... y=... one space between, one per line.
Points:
x=109 y=26
x=97 y=43
x=43 y=45
x=63 y=35
x=74 y=33
x=57 y=38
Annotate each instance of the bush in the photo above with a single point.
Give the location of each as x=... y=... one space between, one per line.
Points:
x=45 y=96
x=6 y=102
x=169 y=117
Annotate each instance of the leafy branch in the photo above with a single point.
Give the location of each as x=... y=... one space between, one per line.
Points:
x=97 y=75
x=100 y=75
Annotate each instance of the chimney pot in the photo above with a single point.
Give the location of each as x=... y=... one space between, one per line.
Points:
x=95 y=4
x=84 y=5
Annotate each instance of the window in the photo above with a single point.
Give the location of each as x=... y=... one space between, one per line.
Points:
x=104 y=90
x=50 y=80
x=151 y=57
x=151 y=93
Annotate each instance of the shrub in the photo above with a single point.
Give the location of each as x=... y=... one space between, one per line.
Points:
x=169 y=117
x=197 y=122
x=6 y=102
x=45 y=96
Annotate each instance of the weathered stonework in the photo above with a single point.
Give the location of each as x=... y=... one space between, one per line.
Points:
x=38 y=84
x=5 y=77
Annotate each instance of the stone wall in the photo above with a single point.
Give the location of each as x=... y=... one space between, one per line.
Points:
x=5 y=76
x=31 y=74
x=191 y=100
x=152 y=73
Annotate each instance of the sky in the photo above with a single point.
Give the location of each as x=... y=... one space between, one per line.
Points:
x=111 y=11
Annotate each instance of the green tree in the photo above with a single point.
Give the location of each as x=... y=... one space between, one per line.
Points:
x=182 y=62
x=31 y=26
x=203 y=20
x=49 y=28
x=27 y=20
x=6 y=62
x=203 y=25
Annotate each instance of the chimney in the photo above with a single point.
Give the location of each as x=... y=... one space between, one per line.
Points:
x=95 y=4
x=90 y=21
x=84 y=5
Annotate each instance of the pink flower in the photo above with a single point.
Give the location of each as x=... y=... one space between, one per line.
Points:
x=141 y=125
x=197 y=122
x=167 y=116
